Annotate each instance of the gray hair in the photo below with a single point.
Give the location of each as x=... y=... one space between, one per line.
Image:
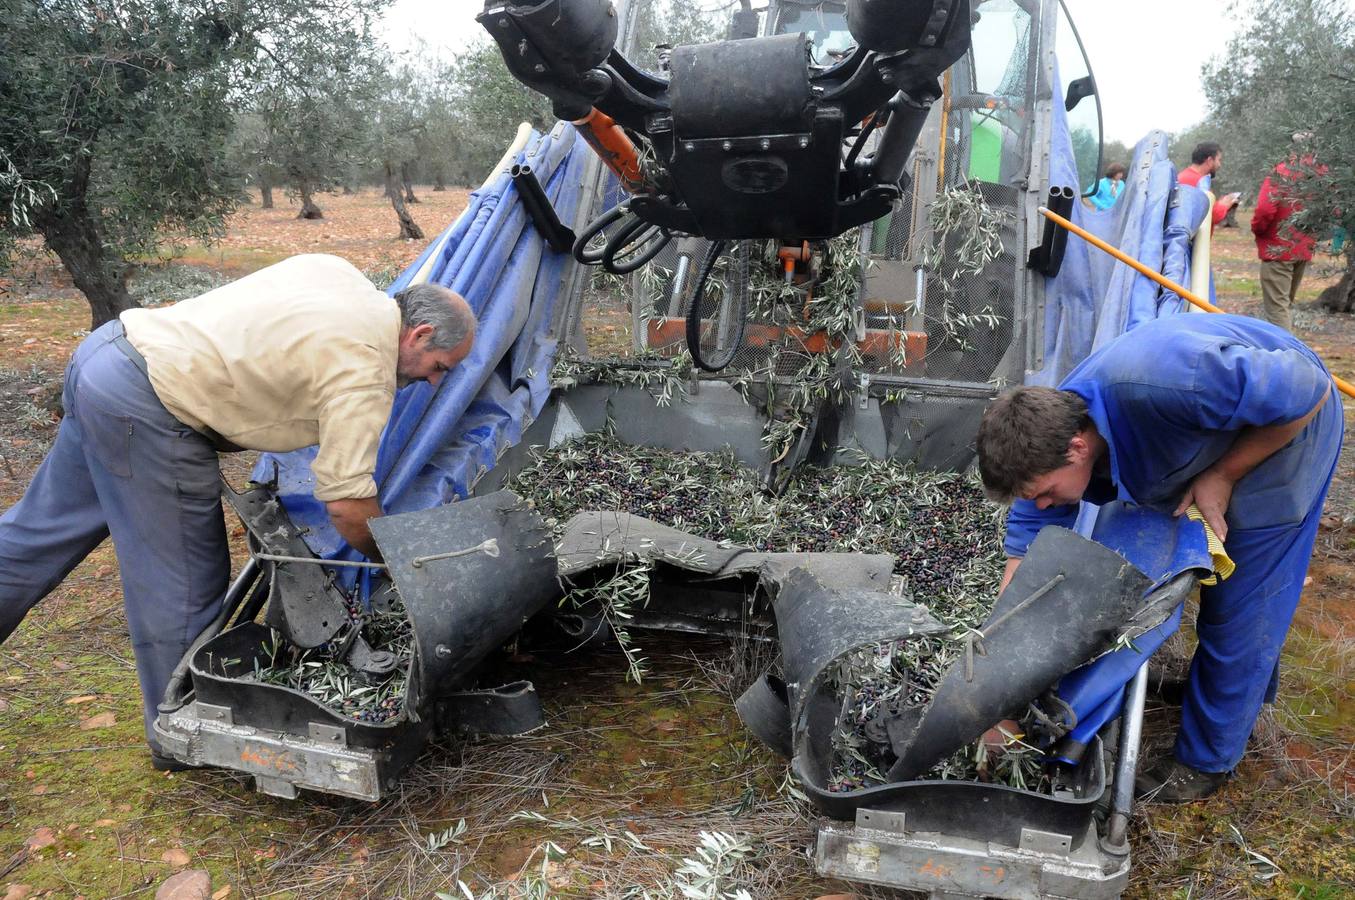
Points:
x=444 y=309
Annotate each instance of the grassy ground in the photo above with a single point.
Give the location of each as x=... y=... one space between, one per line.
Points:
x=83 y=815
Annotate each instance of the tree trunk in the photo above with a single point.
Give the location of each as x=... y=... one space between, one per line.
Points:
x=409 y=229
x=1230 y=220
x=408 y=183
x=347 y=190
x=71 y=233
x=439 y=183
x=308 y=208
x=266 y=193
x=1340 y=297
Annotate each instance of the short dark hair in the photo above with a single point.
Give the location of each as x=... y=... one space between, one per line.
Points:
x=1025 y=434
x=432 y=304
x=1204 y=150
x=1116 y=169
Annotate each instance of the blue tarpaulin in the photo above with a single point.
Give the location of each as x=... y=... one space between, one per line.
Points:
x=438 y=441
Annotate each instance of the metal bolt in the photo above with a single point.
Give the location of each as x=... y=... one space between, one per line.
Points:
x=689 y=146
x=503 y=23
x=539 y=67
x=442 y=651
x=765 y=144
x=804 y=142
x=726 y=145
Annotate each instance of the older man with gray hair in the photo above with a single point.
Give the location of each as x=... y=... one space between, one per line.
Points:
x=304 y=352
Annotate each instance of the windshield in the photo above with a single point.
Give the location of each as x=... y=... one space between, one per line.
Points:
x=826 y=26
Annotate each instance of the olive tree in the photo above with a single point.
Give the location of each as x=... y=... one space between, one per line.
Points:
x=123 y=110
x=1284 y=92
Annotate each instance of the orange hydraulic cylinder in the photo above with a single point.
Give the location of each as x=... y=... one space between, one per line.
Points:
x=610 y=143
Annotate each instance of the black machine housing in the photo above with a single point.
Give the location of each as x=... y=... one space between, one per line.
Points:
x=752 y=138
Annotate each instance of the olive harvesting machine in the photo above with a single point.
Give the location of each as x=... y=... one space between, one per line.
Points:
x=817 y=233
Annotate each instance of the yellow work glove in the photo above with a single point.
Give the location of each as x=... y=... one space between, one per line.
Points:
x=1223 y=563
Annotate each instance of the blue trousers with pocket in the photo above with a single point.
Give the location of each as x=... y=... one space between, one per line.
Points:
x=122 y=465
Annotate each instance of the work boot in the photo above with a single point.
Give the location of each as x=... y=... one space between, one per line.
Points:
x=1171 y=781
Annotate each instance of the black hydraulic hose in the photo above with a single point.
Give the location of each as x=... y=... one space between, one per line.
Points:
x=235 y=594
x=633 y=244
x=862 y=138
x=694 y=316
x=593 y=229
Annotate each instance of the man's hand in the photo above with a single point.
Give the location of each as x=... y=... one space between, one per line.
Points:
x=350 y=520
x=1211 y=491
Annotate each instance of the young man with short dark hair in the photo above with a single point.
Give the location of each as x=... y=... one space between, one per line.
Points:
x=1228 y=413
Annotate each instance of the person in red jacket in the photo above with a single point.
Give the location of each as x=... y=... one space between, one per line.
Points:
x=1284 y=249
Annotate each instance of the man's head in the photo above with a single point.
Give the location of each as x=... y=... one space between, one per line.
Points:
x=1116 y=171
x=1207 y=156
x=1038 y=444
x=437 y=328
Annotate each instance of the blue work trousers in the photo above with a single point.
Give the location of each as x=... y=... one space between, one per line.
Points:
x=1243 y=621
x=122 y=465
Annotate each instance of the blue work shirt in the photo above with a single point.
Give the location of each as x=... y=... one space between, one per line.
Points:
x=1170 y=396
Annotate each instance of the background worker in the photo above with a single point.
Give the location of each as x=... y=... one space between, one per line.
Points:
x=1283 y=248
x=304 y=352
x=1110 y=187
x=1206 y=160
x=1225 y=412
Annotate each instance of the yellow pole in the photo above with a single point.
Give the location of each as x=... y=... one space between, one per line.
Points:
x=1344 y=386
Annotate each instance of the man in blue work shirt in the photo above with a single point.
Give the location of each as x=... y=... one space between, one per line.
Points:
x=1228 y=413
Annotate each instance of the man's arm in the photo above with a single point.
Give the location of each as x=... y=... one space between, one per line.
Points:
x=1212 y=489
x=350 y=520
x=1263 y=219
x=1008 y=572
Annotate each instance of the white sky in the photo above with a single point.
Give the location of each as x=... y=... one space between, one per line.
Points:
x=1146 y=54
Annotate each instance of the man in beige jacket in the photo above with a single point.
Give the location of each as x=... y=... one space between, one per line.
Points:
x=304 y=352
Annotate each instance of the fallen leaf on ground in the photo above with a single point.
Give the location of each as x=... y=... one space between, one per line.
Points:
x=222 y=894
x=104 y=823
x=175 y=857
x=83 y=698
x=4 y=704
x=18 y=892
x=40 y=789
x=102 y=720
x=195 y=884
x=61 y=665
x=43 y=837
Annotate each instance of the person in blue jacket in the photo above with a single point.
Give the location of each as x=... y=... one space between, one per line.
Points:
x=1110 y=187
x=1228 y=413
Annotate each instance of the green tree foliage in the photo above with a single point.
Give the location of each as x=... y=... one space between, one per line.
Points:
x=124 y=109
x=487 y=105
x=121 y=108
x=394 y=116
x=1284 y=92
x=474 y=106
x=307 y=92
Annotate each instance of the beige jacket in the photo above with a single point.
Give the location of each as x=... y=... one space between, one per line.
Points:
x=300 y=353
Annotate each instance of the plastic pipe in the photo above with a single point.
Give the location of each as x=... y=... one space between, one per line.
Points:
x=1200 y=250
